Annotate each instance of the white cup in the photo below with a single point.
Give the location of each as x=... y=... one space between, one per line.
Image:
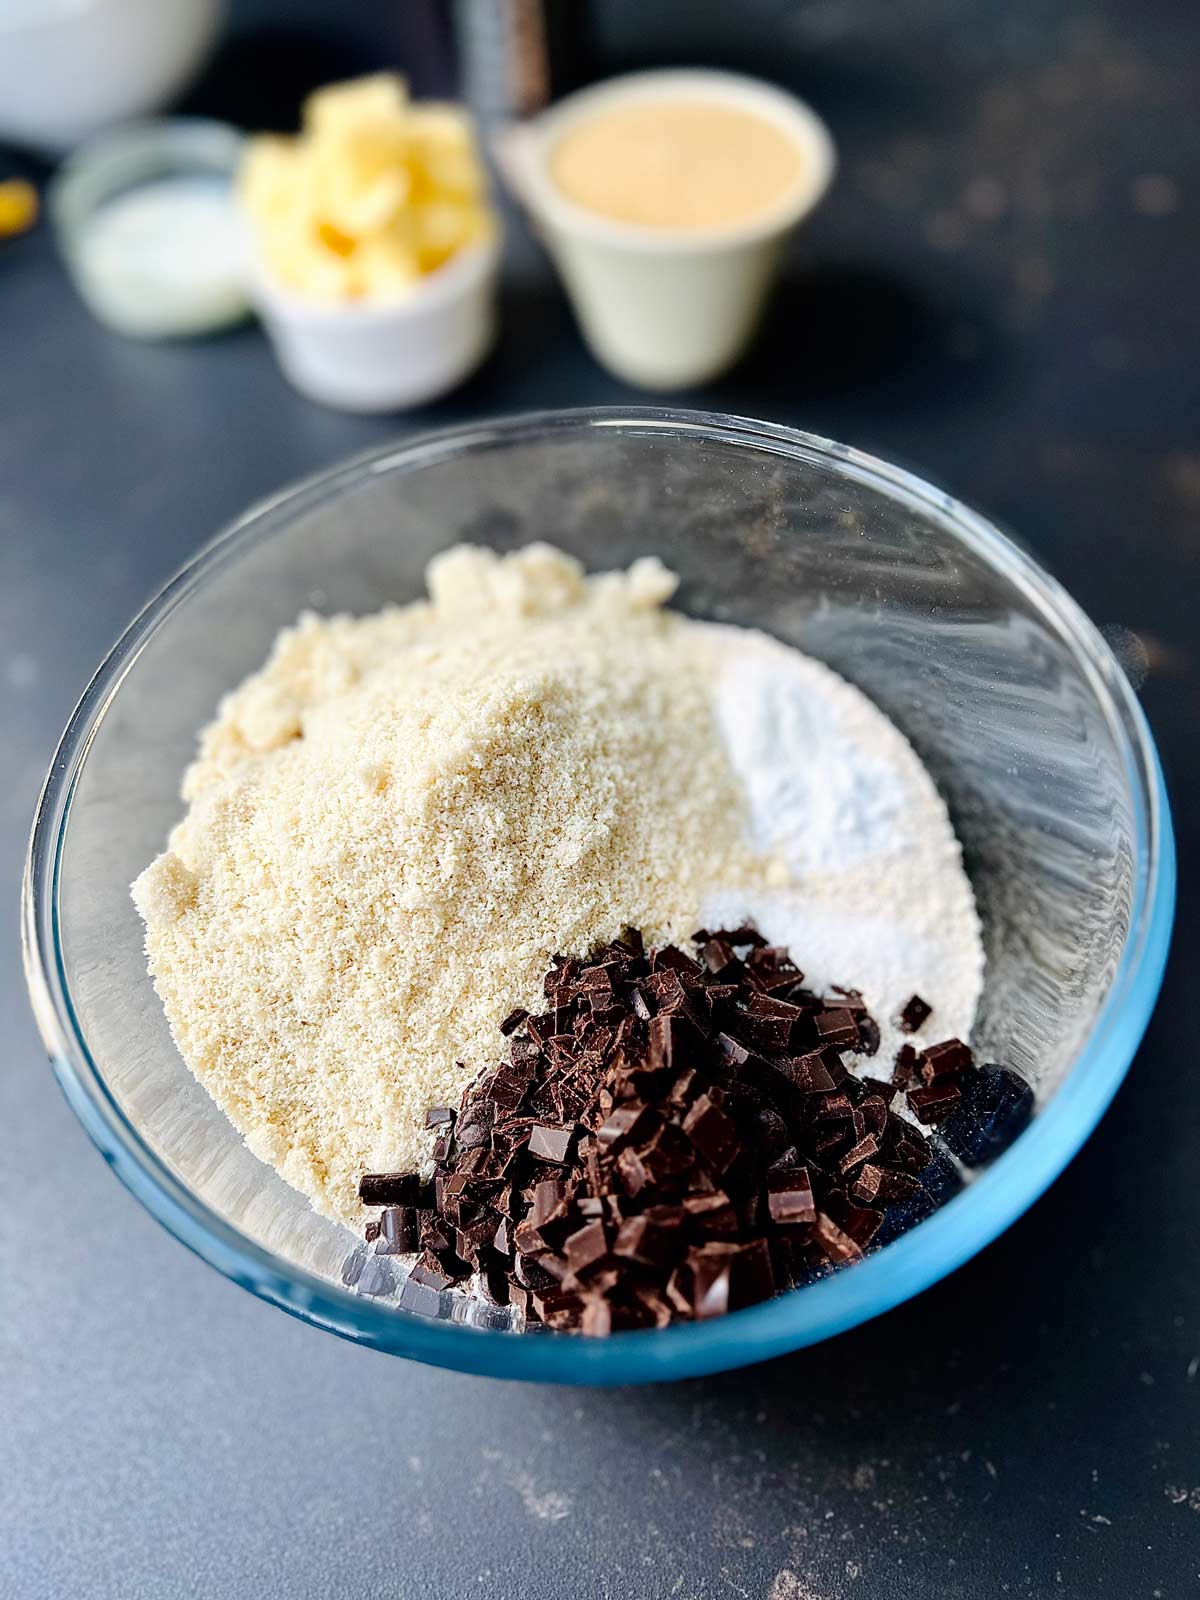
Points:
x=665 y=308
x=391 y=354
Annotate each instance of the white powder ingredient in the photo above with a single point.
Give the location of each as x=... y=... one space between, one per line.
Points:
x=877 y=895
x=398 y=822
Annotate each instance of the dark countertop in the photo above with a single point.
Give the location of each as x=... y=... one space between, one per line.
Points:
x=1000 y=293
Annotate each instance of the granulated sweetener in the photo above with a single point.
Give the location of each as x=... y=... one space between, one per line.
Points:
x=396 y=825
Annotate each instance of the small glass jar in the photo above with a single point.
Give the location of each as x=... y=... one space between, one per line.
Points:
x=149 y=230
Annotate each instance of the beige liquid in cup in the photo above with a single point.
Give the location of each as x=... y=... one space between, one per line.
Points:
x=678 y=164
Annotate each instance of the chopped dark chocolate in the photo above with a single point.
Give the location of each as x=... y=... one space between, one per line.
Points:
x=674 y=1138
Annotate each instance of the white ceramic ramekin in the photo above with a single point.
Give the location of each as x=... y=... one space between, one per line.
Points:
x=391 y=354
x=665 y=308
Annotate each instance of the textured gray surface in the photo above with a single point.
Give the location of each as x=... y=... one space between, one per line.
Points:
x=1030 y=1426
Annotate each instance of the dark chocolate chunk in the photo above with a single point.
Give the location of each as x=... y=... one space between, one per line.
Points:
x=790 y=1198
x=874 y=1112
x=810 y=1073
x=650 y=1242
x=868 y=1181
x=712 y=1133
x=868 y=1035
x=719 y=959
x=390 y=1189
x=586 y=1248
x=549 y=1143
x=439 y=1117
x=669 y=1153
x=835 y=1245
x=711 y=1215
x=422 y=1291
x=858 y=1153
x=434 y=1232
x=399 y=1233
x=944 y=1060
x=753 y=1276
x=932 y=1102
x=677 y=1296
x=860 y=1223
x=669 y=958
x=628 y=1124
x=530 y=1275
x=768 y=1133
x=836 y=1026
x=673 y=1039
x=631 y=1173
x=710 y=1270
x=742 y=938
x=914 y=1014
x=732 y=1052
x=905 y=1068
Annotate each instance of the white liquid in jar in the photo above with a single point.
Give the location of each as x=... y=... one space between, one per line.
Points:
x=166 y=259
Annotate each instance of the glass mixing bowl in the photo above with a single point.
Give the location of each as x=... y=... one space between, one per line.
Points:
x=1019 y=710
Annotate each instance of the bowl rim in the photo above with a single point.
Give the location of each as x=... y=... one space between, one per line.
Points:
x=916 y=1260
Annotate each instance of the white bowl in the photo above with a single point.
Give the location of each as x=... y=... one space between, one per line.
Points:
x=661 y=308
x=69 y=68
x=390 y=354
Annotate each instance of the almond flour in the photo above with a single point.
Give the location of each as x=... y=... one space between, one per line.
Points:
x=397 y=823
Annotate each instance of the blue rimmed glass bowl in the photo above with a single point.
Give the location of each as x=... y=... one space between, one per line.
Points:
x=1018 y=708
